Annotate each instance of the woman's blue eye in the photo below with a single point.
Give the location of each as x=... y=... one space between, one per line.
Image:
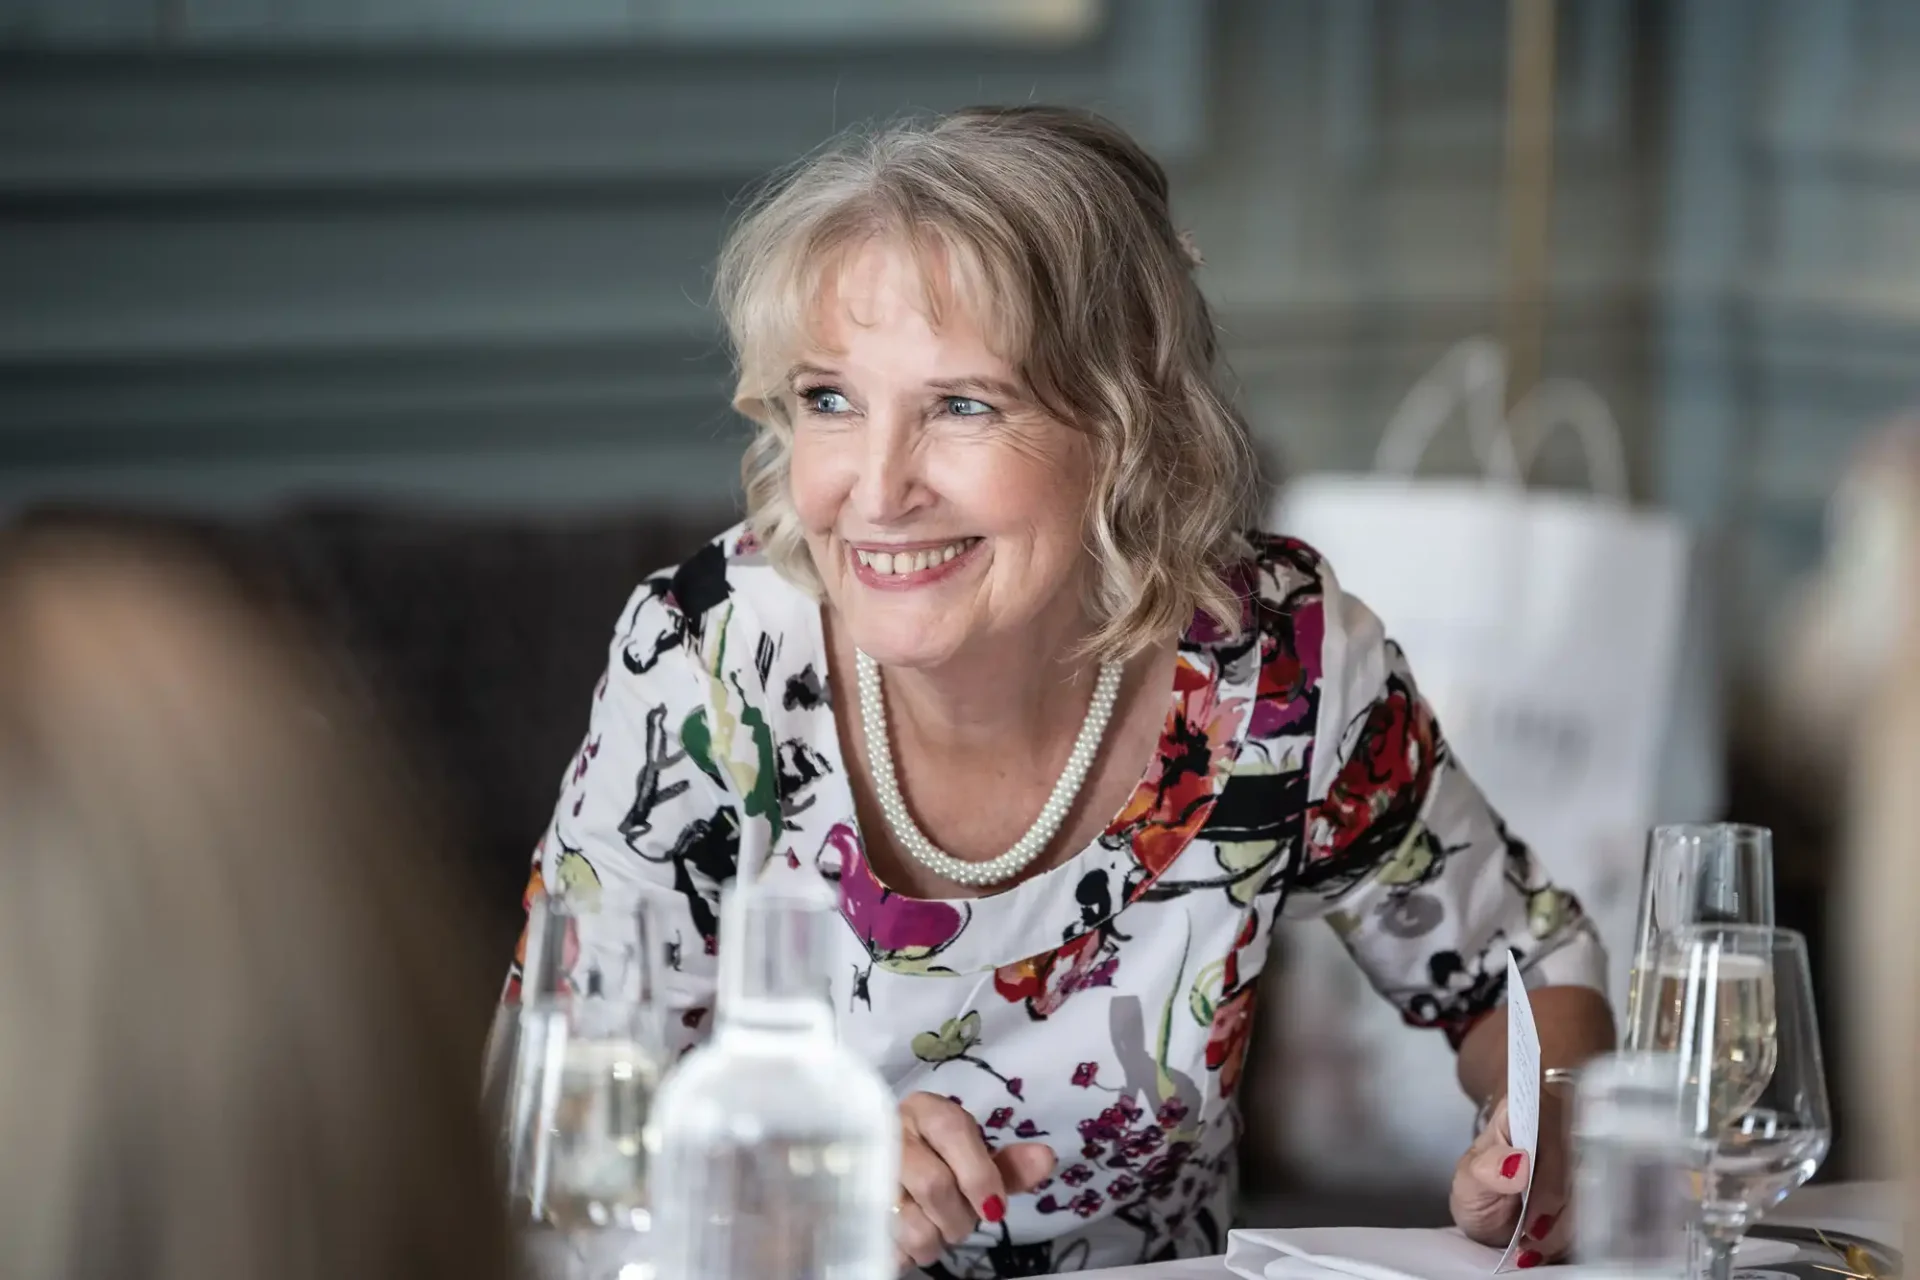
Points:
x=964 y=407
x=825 y=400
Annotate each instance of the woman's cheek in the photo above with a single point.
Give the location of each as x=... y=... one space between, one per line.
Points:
x=810 y=483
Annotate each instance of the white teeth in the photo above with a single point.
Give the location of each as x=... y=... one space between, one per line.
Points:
x=892 y=562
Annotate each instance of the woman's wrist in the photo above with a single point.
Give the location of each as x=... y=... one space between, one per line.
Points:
x=1556 y=1078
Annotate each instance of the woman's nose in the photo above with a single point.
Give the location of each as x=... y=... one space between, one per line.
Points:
x=889 y=486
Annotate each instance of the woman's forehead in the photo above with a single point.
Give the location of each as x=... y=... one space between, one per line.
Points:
x=883 y=281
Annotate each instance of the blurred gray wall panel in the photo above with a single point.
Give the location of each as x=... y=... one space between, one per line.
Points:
x=1790 y=270
x=126 y=23
x=248 y=270
x=456 y=23
x=362 y=253
x=724 y=22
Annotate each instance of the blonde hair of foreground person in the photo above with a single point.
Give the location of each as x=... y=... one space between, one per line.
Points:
x=1844 y=716
x=1856 y=658
x=238 y=1032
x=1052 y=227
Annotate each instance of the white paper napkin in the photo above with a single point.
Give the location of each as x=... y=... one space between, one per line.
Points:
x=1374 y=1253
x=1367 y=1253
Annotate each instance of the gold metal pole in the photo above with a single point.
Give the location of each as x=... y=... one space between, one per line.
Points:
x=1528 y=195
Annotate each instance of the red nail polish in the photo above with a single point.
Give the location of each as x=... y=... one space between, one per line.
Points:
x=994 y=1209
x=1542 y=1225
x=1528 y=1259
x=1510 y=1167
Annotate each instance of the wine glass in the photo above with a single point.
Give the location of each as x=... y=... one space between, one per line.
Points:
x=588 y=1052
x=1734 y=1005
x=1697 y=873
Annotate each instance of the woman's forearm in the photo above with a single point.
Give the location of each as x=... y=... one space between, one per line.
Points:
x=1575 y=1024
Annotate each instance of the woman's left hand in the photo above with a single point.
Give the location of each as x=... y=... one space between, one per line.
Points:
x=1490 y=1178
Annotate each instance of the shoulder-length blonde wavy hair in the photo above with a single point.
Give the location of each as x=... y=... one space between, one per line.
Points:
x=1053 y=226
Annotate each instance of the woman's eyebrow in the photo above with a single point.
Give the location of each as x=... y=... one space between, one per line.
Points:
x=991 y=386
x=807 y=370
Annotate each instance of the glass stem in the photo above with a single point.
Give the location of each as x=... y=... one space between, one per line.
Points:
x=1719 y=1259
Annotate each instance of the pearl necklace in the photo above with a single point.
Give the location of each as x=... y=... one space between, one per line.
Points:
x=893 y=806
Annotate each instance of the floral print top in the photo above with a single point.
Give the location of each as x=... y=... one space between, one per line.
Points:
x=1104 y=1006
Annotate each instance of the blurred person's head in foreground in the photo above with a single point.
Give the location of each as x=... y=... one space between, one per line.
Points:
x=1843 y=727
x=237 y=1027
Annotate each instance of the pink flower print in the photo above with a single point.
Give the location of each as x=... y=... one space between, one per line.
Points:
x=893 y=927
x=1111 y=1124
x=1028 y=1129
x=1171 y=1113
x=1309 y=638
x=1163 y=1172
x=1087 y=1203
x=1122 y=1187
x=1076 y=1175
x=1046 y=980
x=1001 y=1117
x=1015 y=1087
x=1084 y=1073
x=1047 y=1204
x=588 y=750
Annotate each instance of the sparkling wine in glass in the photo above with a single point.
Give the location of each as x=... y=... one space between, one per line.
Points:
x=1724 y=999
x=588 y=1052
x=1739 y=1019
x=1696 y=873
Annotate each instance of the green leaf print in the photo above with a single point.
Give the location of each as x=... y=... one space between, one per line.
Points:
x=697 y=739
x=1546 y=912
x=954 y=1042
x=1206 y=987
x=955 y=1037
x=1245 y=860
x=578 y=880
x=1411 y=861
x=759 y=794
x=1163 y=1078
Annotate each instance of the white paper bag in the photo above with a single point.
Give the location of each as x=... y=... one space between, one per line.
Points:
x=1545 y=629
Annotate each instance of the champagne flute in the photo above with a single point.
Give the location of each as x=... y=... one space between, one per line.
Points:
x=588 y=1053
x=1734 y=1005
x=1697 y=873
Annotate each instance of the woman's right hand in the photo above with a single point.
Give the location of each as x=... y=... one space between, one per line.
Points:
x=950 y=1179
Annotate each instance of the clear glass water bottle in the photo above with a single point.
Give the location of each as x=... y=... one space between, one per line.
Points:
x=776 y=1150
x=1636 y=1168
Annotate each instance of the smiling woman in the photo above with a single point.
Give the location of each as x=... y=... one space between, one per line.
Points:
x=1000 y=654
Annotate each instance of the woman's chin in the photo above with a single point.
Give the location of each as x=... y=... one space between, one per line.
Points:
x=903 y=653
x=896 y=639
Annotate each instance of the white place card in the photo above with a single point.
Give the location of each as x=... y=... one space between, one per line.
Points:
x=1523 y=1090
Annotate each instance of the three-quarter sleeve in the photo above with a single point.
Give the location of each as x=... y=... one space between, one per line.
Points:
x=1405 y=858
x=638 y=817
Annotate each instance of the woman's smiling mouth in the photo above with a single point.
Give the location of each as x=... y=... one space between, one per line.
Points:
x=894 y=567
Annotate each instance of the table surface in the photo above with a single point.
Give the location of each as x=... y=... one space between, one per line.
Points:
x=1865 y=1208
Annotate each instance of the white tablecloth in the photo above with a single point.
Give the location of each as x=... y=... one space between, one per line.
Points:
x=1869 y=1209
